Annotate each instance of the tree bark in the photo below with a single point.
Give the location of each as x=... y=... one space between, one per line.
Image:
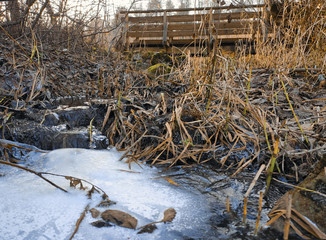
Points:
x=14 y=10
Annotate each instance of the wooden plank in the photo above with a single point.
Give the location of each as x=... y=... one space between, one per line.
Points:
x=146 y=28
x=165 y=28
x=150 y=42
x=189 y=33
x=208 y=33
x=215 y=16
x=229 y=7
x=219 y=25
x=185 y=42
x=149 y=19
x=200 y=51
x=194 y=17
x=147 y=42
x=195 y=26
x=236 y=24
x=151 y=34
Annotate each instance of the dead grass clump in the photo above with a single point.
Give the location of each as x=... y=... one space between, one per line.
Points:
x=236 y=109
x=219 y=108
x=297 y=36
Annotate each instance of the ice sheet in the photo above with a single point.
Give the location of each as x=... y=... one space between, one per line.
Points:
x=33 y=209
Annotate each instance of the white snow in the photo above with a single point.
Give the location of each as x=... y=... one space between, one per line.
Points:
x=33 y=209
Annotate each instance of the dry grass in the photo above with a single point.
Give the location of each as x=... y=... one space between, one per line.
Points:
x=230 y=110
x=218 y=108
x=297 y=37
x=224 y=108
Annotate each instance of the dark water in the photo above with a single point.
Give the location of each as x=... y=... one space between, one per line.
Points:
x=215 y=185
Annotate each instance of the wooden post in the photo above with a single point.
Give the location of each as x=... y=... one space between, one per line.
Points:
x=165 y=29
x=210 y=41
x=264 y=25
x=127 y=42
x=170 y=43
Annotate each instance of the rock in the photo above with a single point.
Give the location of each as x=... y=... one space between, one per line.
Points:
x=51 y=119
x=119 y=218
x=49 y=138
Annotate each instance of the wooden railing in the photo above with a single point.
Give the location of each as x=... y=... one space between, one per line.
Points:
x=192 y=26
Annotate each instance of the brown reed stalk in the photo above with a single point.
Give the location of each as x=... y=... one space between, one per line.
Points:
x=287 y=216
x=261 y=194
x=252 y=184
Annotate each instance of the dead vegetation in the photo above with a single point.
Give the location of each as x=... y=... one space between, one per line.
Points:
x=213 y=107
x=230 y=109
x=235 y=110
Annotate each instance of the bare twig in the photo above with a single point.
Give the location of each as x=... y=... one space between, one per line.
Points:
x=34 y=172
x=80 y=219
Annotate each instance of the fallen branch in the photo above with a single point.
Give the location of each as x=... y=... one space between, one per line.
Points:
x=34 y=172
x=73 y=180
x=80 y=219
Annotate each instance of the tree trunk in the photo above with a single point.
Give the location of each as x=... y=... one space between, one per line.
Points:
x=15 y=17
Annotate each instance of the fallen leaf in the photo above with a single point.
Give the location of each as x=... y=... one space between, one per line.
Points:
x=119 y=218
x=171 y=181
x=95 y=213
x=147 y=229
x=169 y=215
x=100 y=224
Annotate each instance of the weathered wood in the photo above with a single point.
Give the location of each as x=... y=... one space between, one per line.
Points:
x=197 y=26
x=165 y=29
x=189 y=33
x=149 y=19
x=195 y=17
x=229 y=7
x=126 y=31
x=224 y=38
x=146 y=28
x=210 y=30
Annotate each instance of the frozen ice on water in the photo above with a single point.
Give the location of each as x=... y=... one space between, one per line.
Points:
x=33 y=209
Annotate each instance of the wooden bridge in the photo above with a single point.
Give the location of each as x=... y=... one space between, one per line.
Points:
x=193 y=27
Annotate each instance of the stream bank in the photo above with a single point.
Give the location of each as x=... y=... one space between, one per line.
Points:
x=171 y=119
